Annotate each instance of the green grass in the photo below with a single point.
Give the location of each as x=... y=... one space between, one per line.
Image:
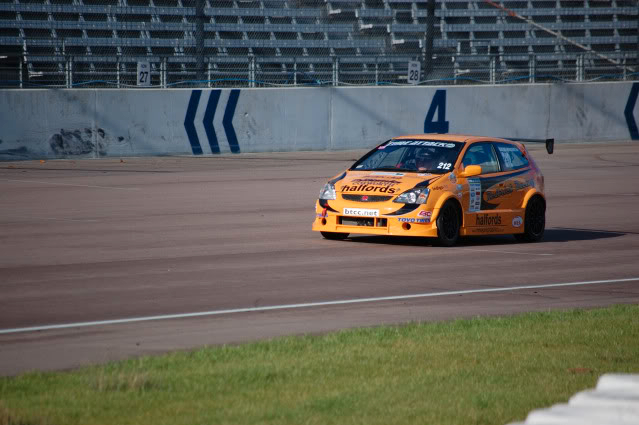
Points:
x=479 y=371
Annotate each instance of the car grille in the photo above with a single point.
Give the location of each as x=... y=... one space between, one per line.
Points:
x=366 y=198
x=362 y=221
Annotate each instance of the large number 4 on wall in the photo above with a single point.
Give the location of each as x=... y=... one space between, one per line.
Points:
x=438 y=104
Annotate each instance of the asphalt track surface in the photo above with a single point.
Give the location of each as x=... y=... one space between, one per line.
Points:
x=88 y=242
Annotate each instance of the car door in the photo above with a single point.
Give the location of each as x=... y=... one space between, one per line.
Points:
x=518 y=180
x=481 y=215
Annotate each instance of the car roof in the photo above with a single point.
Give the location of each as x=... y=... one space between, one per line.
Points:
x=454 y=138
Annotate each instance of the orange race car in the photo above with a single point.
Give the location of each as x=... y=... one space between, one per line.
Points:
x=437 y=185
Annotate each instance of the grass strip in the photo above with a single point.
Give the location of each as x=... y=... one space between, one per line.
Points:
x=478 y=371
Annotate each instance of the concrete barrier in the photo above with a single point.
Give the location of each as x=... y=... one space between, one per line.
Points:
x=107 y=122
x=615 y=401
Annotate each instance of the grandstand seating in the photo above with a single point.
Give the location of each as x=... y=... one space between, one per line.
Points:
x=284 y=41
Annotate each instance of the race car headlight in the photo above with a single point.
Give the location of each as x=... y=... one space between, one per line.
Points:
x=328 y=192
x=413 y=196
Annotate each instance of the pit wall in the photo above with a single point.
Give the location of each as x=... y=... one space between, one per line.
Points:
x=62 y=123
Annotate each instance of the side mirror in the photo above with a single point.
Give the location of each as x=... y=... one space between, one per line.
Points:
x=471 y=170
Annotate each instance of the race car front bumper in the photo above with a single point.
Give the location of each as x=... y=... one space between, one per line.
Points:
x=412 y=224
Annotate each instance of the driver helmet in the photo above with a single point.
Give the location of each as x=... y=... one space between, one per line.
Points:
x=425 y=159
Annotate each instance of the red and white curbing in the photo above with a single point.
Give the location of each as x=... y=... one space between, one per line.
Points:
x=615 y=401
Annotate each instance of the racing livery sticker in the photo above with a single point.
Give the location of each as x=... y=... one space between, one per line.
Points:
x=489 y=182
x=517 y=221
x=338 y=178
x=474 y=189
x=407 y=208
x=508 y=163
x=486 y=230
x=488 y=220
x=383 y=173
x=371 y=185
x=414 y=220
x=361 y=212
x=421 y=143
x=510 y=188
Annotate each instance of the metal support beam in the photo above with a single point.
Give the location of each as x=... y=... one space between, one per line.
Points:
x=430 y=34
x=69 y=72
x=199 y=39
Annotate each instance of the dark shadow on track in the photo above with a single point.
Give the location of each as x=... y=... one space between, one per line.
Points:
x=565 y=234
x=557 y=234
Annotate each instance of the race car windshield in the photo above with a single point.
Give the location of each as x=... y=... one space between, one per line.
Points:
x=420 y=156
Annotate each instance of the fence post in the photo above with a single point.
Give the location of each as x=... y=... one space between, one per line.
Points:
x=20 y=71
x=294 y=71
x=252 y=71
x=208 y=75
x=376 y=72
x=455 y=70
x=164 y=72
x=580 y=68
x=532 y=68
x=335 y=71
x=69 y=66
x=493 y=69
x=117 y=70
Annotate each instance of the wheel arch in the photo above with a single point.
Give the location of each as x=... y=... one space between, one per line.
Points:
x=440 y=203
x=531 y=194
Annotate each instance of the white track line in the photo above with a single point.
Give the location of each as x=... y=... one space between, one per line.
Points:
x=74 y=185
x=305 y=305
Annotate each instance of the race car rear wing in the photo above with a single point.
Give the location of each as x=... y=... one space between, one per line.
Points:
x=550 y=143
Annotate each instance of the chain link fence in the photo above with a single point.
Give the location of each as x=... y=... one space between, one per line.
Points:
x=276 y=43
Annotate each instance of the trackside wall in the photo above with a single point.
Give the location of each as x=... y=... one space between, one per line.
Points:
x=108 y=122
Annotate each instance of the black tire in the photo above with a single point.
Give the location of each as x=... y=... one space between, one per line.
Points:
x=334 y=236
x=534 y=221
x=448 y=224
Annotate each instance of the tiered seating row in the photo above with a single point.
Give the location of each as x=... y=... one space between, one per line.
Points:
x=361 y=35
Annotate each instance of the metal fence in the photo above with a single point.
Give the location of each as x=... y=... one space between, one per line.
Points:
x=275 y=43
x=76 y=72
